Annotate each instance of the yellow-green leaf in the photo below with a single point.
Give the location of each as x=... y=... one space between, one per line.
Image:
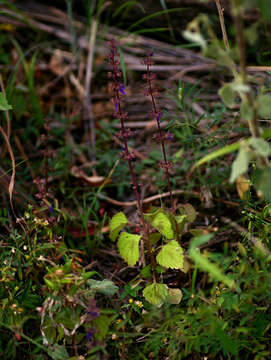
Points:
x=128 y=245
x=171 y=256
x=117 y=222
x=155 y=294
x=162 y=223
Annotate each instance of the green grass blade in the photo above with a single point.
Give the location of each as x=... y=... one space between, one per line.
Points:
x=124 y=8
x=151 y=30
x=226 y=150
x=158 y=13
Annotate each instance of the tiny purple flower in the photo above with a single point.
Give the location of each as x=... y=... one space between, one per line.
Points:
x=89 y=335
x=116 y=106
x=122 y=90
x=50 y=209
x=159 y=117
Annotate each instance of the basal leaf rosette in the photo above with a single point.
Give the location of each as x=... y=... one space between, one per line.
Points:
x=171 y=256
x=128 y=245
x=117 y=223
x=156 y=294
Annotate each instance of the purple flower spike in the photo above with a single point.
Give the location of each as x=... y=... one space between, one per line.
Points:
x=122 y=90
x=159 y=117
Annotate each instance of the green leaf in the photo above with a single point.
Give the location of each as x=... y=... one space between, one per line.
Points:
x=240 y=164
x=162 y=223
x=155 y=294
x=226 y=150
x=3 y=103
x=171 y=256
x=106 y=287
x=262 y=182
x=174 y=296
x=117 y=222
x=265 y=9
x=128 y=245
x=189 y=211
x=228 y=95
x=261 y=146
x=58 y=352
x=204 y=264
x=102 y=322
x=264 y=106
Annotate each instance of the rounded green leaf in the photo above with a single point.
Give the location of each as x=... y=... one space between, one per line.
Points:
x=261 y=146
x=117 y=222
x=240 y=164
x=262 y=182
x=264 y=105
x=162 y=223
x=171 y=256
x=174 y=296
x=228 y=95
x=3 y=103
x=155 y=294
x=128 y=245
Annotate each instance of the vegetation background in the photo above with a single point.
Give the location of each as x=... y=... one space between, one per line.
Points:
x=175 y=93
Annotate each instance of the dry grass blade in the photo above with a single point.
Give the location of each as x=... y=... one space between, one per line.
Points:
x=12 y=180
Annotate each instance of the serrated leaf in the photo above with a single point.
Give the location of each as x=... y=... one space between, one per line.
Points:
x=106 y=287
x=128 y=245
x=228 y=95
x=190 y=212
x=262 y=182
x=162 y=223
x=155 y=294
x=240 y=164
x=3 y=103
x=171 y=256
x=117 y=223
x=264 y=106
x=174 y=296
x=262 y=147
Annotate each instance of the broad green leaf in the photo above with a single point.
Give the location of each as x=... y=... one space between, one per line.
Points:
x=174 y=296
x=58 y=352
x=171 y=256
x=204 y=264
x=3 y=103
x=240 y=164
x=101 y=323
x=155 y=294
x=162 y=223
x=262 y=182
x=228 y=95
x=262 y=147
x=106 y=287
x=264 y=106
x=128 y=245
x=190 y=212
x=117 y=222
